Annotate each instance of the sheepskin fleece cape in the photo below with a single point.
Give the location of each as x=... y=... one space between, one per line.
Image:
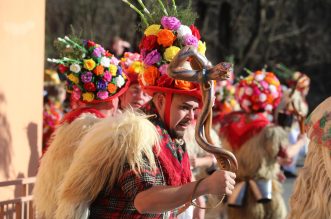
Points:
x=125 y=138
x=56 y=161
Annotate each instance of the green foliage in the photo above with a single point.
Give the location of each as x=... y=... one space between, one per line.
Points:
x=183 y=13
x=70 y=51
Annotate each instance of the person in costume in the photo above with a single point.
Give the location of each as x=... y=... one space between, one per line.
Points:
x=134 y=97
x=137 y=166
x=291 y=113
x=256 y=143
x=94 y=78
x=312 y=195
x=53 y=110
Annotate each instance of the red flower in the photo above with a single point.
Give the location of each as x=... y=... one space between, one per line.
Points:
x=195 y=31
x=148 y=43
x=108 y=54
x=90 y=44
x=165 y=81
x=62 y=68
x=89 y=86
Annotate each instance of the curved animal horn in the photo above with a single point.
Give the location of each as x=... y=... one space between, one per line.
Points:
x=204 y=74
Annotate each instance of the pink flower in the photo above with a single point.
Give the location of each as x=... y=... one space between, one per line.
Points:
x=152 y=57
x=107 y=76
x=170 y=23
x=163 y=69
x=190 y=40
x=102 y=95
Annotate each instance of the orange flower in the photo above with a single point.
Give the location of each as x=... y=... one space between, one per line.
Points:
x=150 y=75
x=165 y=38
x=98 y=70
x=112 y=88
x=184 y=85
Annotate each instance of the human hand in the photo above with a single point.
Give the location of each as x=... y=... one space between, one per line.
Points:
x=220 y=182
x=284 y=161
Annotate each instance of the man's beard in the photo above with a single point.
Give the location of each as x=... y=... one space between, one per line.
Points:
x=176 y=134
x=179 y=134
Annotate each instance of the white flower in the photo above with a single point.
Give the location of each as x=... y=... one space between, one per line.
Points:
x=247 y=102
x=268 y=107
x=275 y=95
x=248 y=91
x=105 y=62
x=272 y=88
x=114 y=60
x=259 y=77
x=262 y=97
x=183 y=30
x=119 y=81
x=75 y=68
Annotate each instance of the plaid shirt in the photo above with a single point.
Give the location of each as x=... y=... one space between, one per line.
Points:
x=119 y=201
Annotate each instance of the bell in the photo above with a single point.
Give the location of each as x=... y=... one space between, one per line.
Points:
x=238 y=194
x=262 y=190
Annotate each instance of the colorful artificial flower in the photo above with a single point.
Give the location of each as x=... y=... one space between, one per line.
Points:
x=98 y=52
x=111 y=88
x=183 y=30
x=184 y=85
x=89 y=87
x=119 y=81
x=89 y=64
x=102 y=95
x=150 y=75
x=98 y=70
x=89 y=81
x=148 y=43
x=62 y=68
x=73 y=78
x=87 y=77
x=195 y=31
x=88 y=96
x=170 y=53
x=170 y=23
x=165 y=38
x=190 y=40
x=75 y=68
x=113 y=69
x=260 y=91
x=202 y=47
x=137 y=67
x=152 y=29
x=105 y=62
x=101 y=84
x=152 y=58
x=107 y=76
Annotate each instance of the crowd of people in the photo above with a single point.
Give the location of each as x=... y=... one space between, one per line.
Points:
x=122 y=142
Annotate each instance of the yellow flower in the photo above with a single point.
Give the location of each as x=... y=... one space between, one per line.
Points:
x=88 y=96
x=138 y=67
x=249 y=79
x=73 y=78
x=202 y=47
x=171 y=52
x=152 y=29
x=113 y=69
x=89 y=64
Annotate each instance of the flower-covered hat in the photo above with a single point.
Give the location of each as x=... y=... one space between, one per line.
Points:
x=132 y=66
x=225 y=101
x=260 y=91
x=167 y=30
x=93 y=75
